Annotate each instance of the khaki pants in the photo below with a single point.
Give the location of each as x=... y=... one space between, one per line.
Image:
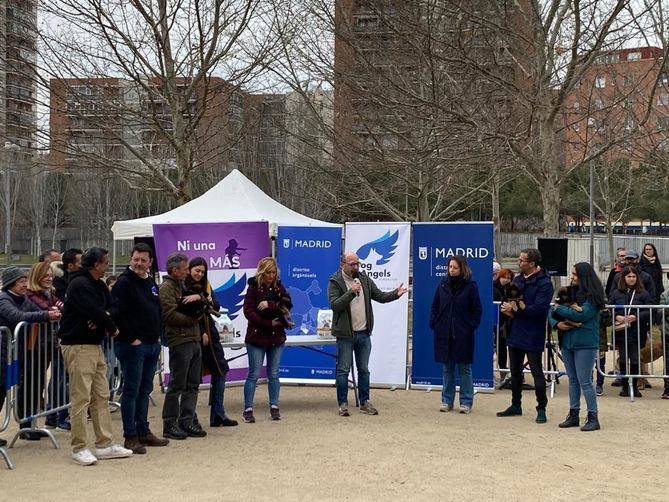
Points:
x=89 y=389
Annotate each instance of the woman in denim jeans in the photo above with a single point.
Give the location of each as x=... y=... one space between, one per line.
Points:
x=579 y=326
x=454 y=316
x=264 y=305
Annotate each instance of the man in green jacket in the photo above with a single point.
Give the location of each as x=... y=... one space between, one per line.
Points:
x=350 y=294
x=183 y=338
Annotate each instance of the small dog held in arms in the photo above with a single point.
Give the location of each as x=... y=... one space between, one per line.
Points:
x=566 y=296
x=514 y=296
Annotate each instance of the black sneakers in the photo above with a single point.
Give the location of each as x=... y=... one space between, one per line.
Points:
x=173 y=431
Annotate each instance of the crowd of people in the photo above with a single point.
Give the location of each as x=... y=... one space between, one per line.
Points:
x=582 y=325
x=138 y=316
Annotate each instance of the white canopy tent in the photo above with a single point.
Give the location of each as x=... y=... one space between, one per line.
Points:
x=234 y=199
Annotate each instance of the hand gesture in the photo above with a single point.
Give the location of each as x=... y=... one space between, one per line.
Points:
x=356 y=287
x=54 y=314
x=263 y=305
x=205 y=339
x=276 y=323
x=136 y=342
x=401 y=290
x=563 y=326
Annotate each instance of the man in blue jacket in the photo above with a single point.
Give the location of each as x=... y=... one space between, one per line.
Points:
x=527 y=333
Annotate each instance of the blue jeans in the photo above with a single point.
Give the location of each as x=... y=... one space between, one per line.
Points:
x=361 y=344
x=579 y=364
x=466 y=384
x=138 y=364
x=216 y=393
x=256 y=356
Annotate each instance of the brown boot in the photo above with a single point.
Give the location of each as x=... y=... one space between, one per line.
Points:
x=152 y=440
x=132 y=443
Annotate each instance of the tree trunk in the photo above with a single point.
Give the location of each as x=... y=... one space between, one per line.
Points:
x=496 y=219
x=550 y=199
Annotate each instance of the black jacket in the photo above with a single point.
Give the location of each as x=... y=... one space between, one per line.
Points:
x=60 y=284
x=646 y=279
x=136 y=309
x=454 y=317
x=87 y=300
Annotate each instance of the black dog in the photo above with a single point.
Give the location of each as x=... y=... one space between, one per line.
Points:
x=566 y=296
x=514 y=296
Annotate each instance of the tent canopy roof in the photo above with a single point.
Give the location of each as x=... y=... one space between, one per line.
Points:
x=233 y=199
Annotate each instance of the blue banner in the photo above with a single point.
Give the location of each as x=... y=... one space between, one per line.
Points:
x=433 y=245
x=307 y=257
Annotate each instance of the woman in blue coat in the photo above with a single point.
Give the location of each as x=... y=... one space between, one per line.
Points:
x=454 y=317
x=580 y=345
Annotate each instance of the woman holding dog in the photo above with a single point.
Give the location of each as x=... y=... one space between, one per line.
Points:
x=631 y=325
x=454 y=316
x=265 y=334
x=213 y=357
x=579 y=325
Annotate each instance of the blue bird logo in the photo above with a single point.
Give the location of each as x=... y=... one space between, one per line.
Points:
x=384 y=246
x=231 y=295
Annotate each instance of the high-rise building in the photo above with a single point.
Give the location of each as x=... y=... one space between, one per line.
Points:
x=621 y=106
x=18 y=55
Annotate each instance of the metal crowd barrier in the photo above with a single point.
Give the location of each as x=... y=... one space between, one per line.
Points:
x=550 y=357
x=7 y=381
x=636 y=344
x=41 y=388
x=39 y=385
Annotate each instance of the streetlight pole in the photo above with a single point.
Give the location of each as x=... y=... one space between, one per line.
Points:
x=592 y=215
x=9 y=147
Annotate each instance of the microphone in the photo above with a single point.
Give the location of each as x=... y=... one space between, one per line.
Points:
x=355 y=275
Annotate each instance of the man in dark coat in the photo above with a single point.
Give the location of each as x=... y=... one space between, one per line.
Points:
x=86 y=323
x=527 y=333
x=138 y=317
x=350 y=294
x=71 y=263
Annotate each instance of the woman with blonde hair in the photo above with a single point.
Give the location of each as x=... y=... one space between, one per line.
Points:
x=264 y=307
x=41 y=293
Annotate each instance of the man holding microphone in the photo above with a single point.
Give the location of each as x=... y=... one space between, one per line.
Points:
x=350 y=294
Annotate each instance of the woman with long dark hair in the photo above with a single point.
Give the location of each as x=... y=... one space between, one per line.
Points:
x=213 y=357
x=631 y=325
x=649 y=262
x=454 y=316
x=580 y=342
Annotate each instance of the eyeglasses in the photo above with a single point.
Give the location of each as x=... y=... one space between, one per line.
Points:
x=353 y=264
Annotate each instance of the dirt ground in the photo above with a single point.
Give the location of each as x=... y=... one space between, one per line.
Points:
x=409 y=451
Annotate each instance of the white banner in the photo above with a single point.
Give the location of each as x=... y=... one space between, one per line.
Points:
x=383 y=249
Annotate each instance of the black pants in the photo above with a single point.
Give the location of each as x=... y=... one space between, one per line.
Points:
x=629 y=357
x=185 y=376
x=516 y=360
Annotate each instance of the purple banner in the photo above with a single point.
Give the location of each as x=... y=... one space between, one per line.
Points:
x=225 y=246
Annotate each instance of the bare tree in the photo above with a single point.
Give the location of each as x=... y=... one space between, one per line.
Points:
x=143 y=76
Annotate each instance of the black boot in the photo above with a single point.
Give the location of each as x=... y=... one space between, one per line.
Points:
x=571 y=420
x=592 y=424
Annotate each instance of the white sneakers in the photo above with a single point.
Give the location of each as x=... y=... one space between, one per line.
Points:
x=113 y=451
x=85 y=457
